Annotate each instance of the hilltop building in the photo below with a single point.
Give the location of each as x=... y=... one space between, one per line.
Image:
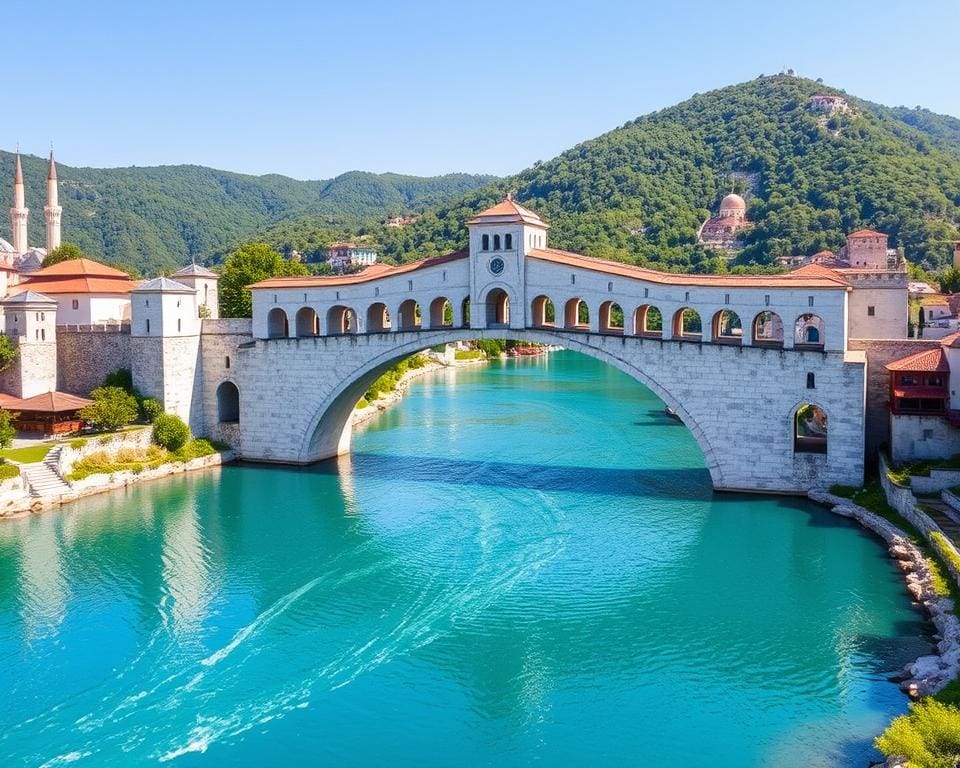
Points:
x=341 y=256
x=17 y=252
x=725 y=230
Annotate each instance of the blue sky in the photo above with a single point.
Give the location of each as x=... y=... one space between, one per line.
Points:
x=313 y=89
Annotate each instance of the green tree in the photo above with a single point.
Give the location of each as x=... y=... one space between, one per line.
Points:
x=8 y=352
x=949 y=280
x=64 y=252
x=249 y=264
x=112 y=408
x=7 y=432
x=170 y=431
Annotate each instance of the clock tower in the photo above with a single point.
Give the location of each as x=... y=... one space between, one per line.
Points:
x=500 y=239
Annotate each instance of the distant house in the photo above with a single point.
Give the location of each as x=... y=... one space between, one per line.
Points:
x=340 y=256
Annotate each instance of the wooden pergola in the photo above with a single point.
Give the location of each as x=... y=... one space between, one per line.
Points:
x=49 y=413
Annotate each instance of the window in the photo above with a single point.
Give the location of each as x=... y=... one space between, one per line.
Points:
x=485 y=243
x=686 y=296
x=871 y=311
x=935 y=381
x=766 y=300
x=809 y=301
x=810 y=430
x=148 y=325
x=811 y=381
x=646 y=293
x=496 y=242
x=609 y=287
x=75 y=303
x=508 y=242
x=178 y=325
x=928 y=434
x=908 y=380
x=226 y=361
x=573 y=279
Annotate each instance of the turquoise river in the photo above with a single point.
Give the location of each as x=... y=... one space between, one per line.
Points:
x=522 y=563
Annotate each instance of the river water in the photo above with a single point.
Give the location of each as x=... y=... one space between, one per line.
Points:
x=520 y=563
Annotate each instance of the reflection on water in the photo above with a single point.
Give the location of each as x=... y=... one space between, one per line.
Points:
x=527 y=567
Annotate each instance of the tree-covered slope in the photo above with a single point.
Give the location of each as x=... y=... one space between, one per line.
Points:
x=159 y=218
x=640 y=192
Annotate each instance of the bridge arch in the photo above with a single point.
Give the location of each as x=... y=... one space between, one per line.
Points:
x=611 y=318
x=576 y=314
x=378 y=318
x=497 y=305
x=278 y=326
x=767 y=329
x=308 y=322
x=543 y=313
x=809 y=331
x=687 y=324
x=726 y=327
x=341 y=320
x=441 y=309
x=329 y=430
x=228 y=402
x=648 y=321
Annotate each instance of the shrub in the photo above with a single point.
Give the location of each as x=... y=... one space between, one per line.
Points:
x=194 y=449
x=120 y=378
x=112 y=408
x=491 y=347
x=8 y=470
x=928 y=736
x=150 y=409
x=7 y=431
x=467 y=354
x=362 y=403
x=945 y=549
x=170 y=432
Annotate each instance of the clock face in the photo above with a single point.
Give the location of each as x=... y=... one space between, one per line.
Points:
x=497 y=265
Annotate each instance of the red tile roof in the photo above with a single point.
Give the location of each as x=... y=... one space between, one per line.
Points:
x=77 y=276
x=48 y=402
x=952 y=341
x=814 y=277
x=508 y=211
x=864 y=233
x=78 y=268
x=372 y=272
x=927 y=361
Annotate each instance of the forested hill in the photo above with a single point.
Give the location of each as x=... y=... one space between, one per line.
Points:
x=155 y=219
x=640 y=192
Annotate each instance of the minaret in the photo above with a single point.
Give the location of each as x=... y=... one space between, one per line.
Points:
x=18 y=214
x=52 y=210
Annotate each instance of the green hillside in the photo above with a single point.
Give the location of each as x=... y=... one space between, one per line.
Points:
x=157 y=219
x=640 y=192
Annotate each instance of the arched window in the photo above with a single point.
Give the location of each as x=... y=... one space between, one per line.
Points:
x=496 y=242
x=228 y=403
x=485 y=240
x=648 y=321
x=226 y=361
x=727 y=328
x=308 y=323
x=768 y=330
x=686 y=324
x=611 y=317
x=810 y=429
x=341 y=320
x=277 y=324
x=441 y=313
x=576 y=315
x=498 y=309
x=811 y=381
x=409 y=318
x=378 y=318
x=543 y=313
x=508 y=242
x=809 y=332
x=465 y=312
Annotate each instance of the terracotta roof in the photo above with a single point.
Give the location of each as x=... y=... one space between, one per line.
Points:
x=952 y=341
x=929 y=300
x=48 y=402
x=76 y=285
x=927 y=361
x=797 y=278
x=507 y=210
x=819 y=270
x=864 y=233
x=733 y=201
x=372 y=272
x=80 y=268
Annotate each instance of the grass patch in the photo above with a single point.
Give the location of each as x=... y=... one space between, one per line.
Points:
x=468 y=354
x=922 y=468
x=8 y=471
x=362 y=403
x=944 y=549
x=137 y=460
x=28 y=455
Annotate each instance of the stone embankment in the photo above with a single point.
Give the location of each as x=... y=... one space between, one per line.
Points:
x=362 y=415
x=928 y=674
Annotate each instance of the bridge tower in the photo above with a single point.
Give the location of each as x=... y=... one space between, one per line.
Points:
x=500 y=239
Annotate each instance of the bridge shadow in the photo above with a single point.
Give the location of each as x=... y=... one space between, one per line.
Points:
x=692 y=483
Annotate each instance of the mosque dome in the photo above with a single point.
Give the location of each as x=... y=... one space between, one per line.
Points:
x=733 y=202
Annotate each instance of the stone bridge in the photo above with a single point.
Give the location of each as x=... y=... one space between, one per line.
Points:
x=757 y=367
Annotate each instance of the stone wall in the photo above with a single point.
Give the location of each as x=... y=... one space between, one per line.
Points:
x=219 y=344
x=33 y=371
x=72 y=451
x=297 y=396
x=922 y=437
x=85 y=355
x=879 y=352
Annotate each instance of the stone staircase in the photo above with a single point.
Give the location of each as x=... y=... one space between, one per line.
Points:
x=944 y=517
x=43 y=478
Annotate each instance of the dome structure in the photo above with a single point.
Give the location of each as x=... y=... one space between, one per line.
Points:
x=733 y=205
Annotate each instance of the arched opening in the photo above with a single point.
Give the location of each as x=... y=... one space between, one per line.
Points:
x=576 y=315
x=465 y=312
x=278 y=327
x=228 y=403
x=808 y=332
x=485 y=243
x=341 y=320
x=727 y=328
x=408 y=317
x=686 y=324
x=496 y=242
x=810 y=429
x=441 y=313
x=308 y=323
x=768 y=330
x=611 y=317
x=543 y=314
x=378 y=318
x=498 y=309
x=648 y=321
x=508 y=242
